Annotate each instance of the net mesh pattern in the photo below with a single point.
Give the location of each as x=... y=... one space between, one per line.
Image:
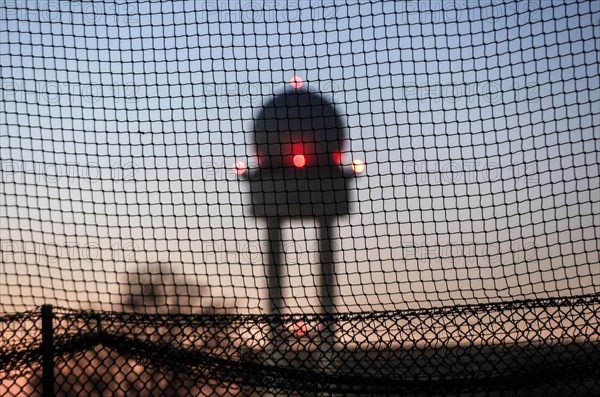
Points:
x=184 y=237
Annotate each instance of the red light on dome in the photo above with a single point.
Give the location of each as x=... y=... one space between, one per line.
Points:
x=358 y=166
x=300 y=328
x=336 y=157
x=296 y=82
x=298 y=154
x=240 y=167
x=299 y=160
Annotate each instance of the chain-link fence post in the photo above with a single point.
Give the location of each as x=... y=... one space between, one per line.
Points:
x=47 y=350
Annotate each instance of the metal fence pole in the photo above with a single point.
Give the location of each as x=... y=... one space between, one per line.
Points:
x=47 y=350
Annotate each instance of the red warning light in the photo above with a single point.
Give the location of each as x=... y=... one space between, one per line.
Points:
x=336 y=157
x=299 y=160
x=240 y=167
x=296 y=82
x=358 y=166
x=300 y=328
x=298 y=154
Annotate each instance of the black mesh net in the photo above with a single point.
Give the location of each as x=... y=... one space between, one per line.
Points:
x=299 y=198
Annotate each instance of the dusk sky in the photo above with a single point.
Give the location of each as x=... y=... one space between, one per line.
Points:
x=120 y=123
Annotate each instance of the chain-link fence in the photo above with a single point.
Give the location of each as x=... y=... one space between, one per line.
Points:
x=548 y=346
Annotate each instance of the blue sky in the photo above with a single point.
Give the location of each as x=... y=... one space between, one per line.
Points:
x=478 y=122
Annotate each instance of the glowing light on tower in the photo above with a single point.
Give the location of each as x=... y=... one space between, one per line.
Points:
x=298 y=157
x=337 y=157
x=240 y=167
x=358 y=166
x=299 y=160
x=296 y=82
x=300 y=328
